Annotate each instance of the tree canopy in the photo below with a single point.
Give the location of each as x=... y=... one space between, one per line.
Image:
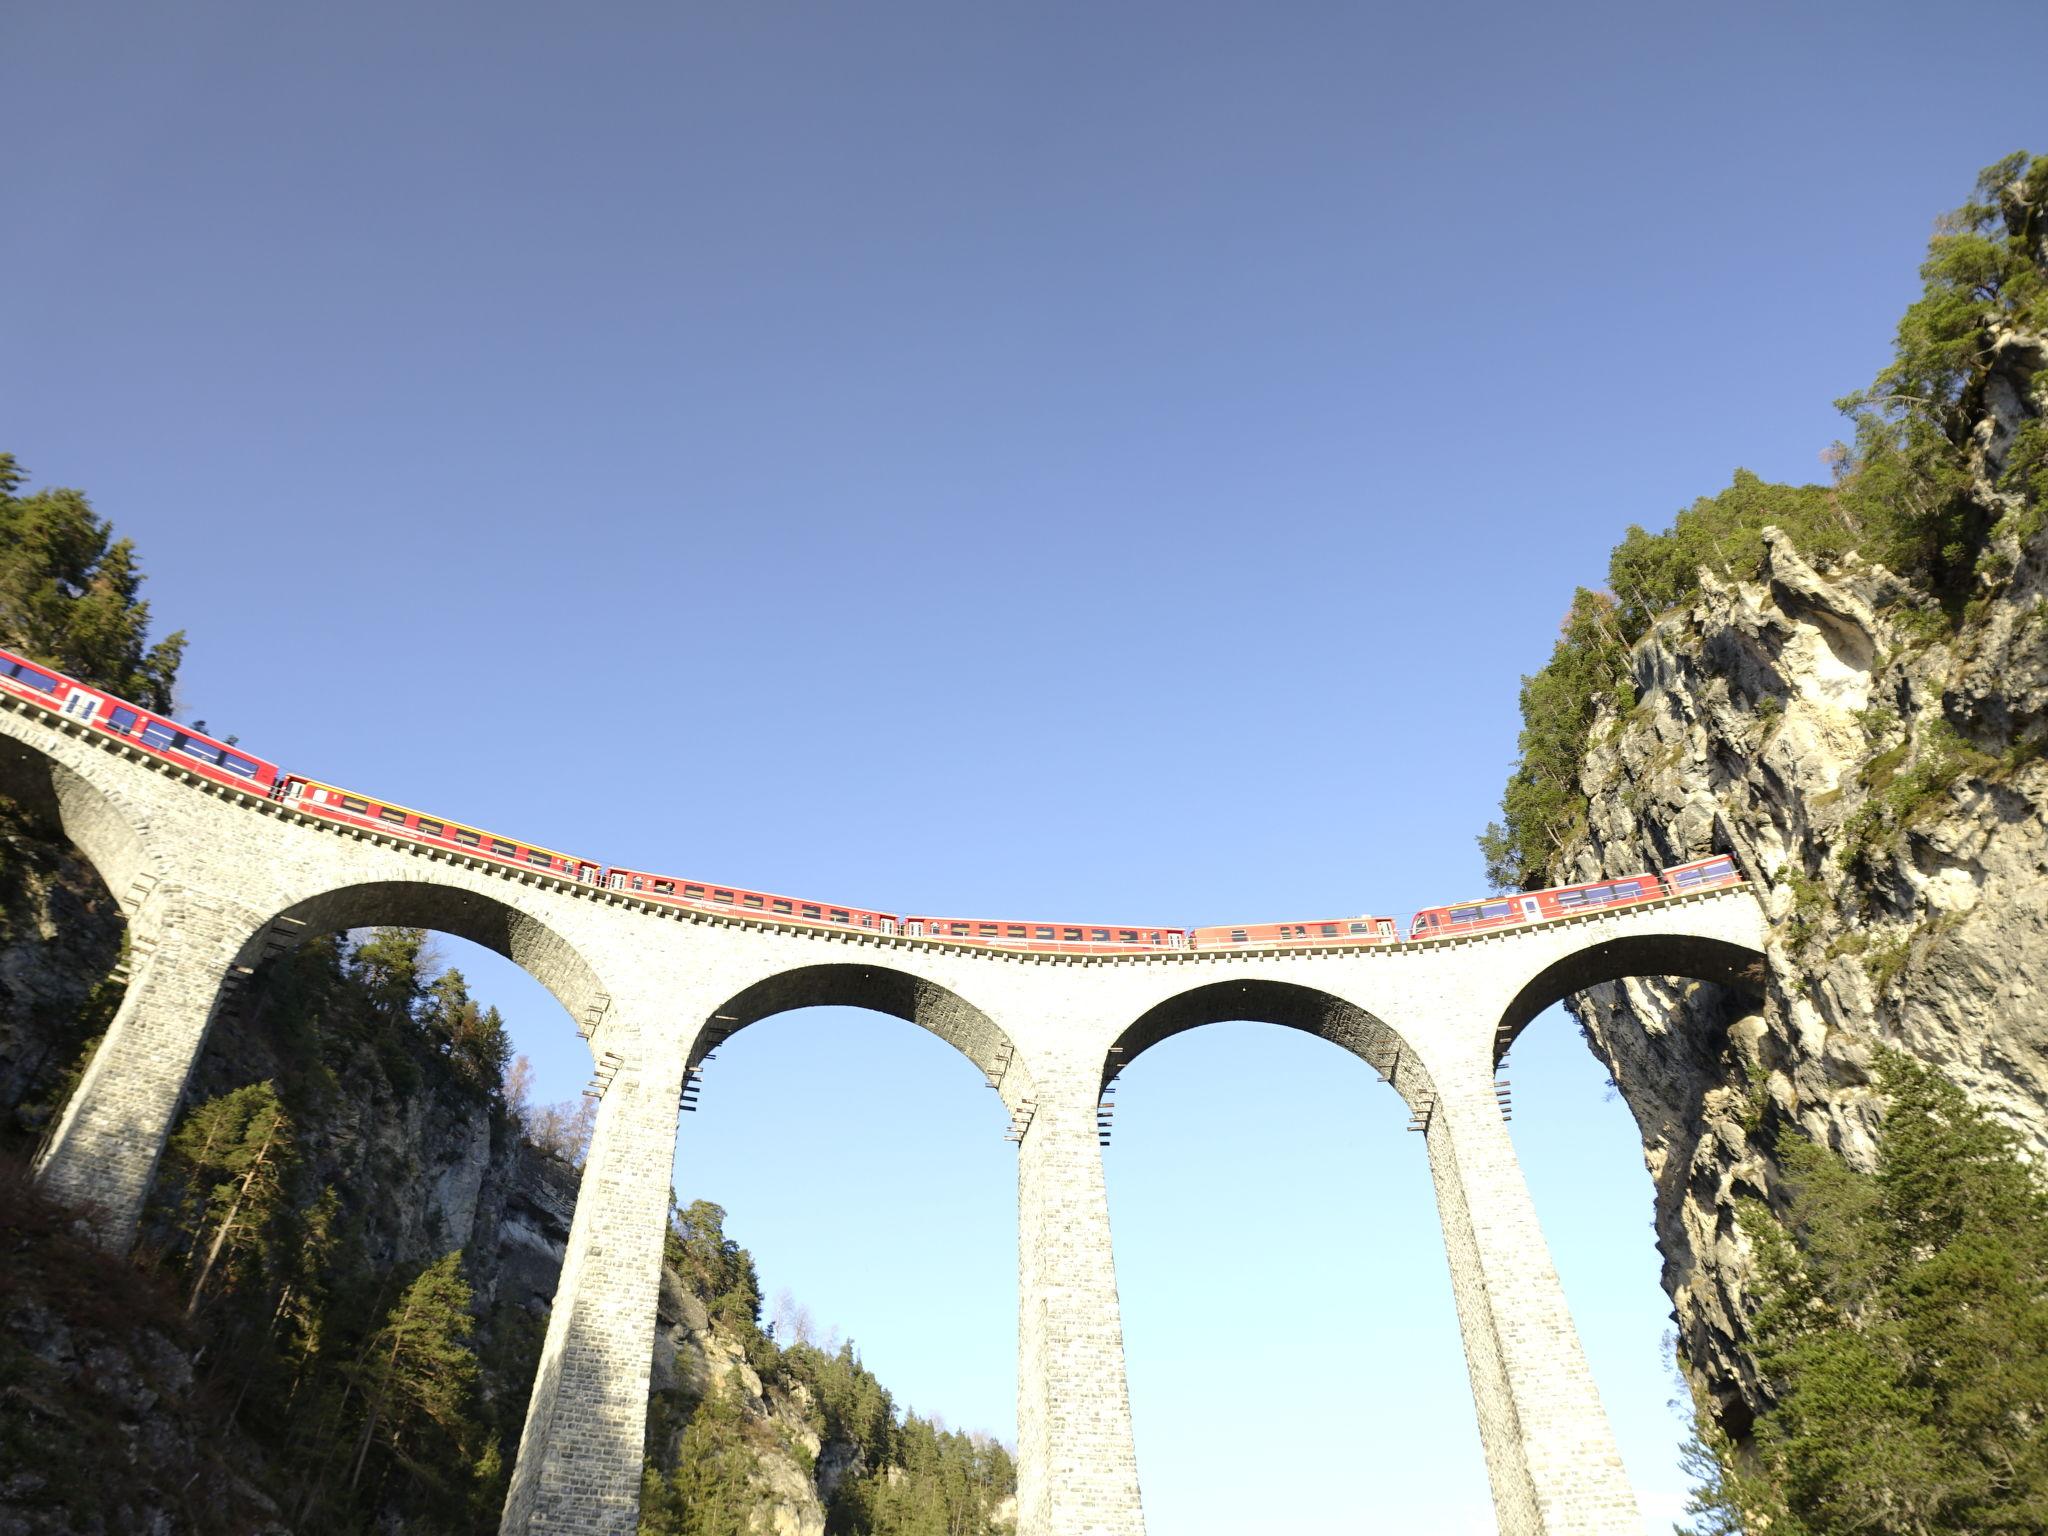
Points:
x=69 y=594
x=1902 y=1326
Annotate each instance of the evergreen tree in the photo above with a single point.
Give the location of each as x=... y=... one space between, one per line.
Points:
x=419 y=1378
x=1902 y=1325
x=231 y=1155
x=69 y=594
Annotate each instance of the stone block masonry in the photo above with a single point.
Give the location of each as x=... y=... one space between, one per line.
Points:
x=216 y=879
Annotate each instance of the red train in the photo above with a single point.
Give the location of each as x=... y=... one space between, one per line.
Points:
x=229 y=765
x=157 y=733
x=1568 y=900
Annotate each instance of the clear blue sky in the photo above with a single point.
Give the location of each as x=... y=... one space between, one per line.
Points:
x=1107 y=463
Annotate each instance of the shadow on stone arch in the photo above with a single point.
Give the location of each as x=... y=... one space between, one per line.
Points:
x=879 y=989
x=1735 y=967
x=485 y=920
x=106 y=832
x=1286 y=1004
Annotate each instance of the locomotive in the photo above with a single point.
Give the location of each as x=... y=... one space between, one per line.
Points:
x=225 y=763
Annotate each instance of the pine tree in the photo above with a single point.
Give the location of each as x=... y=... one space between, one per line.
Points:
x=1902 y=1324
x=419 y=1377
x=69 y=594
x=237 y=1149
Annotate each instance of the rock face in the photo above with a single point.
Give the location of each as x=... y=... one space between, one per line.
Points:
x=1880 y=777
x=60 y=936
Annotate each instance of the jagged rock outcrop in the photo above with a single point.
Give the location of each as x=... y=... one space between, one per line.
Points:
x=1880 y=778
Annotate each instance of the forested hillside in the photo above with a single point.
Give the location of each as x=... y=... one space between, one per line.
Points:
x=1846 y=686
x=332 y=1319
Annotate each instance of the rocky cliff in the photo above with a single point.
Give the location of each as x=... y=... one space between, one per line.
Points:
x=1880 y=778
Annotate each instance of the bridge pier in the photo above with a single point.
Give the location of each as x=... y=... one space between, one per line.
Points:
x=112 y=1132
x=1550 y=1454
x=586 y=1421
x=1077 y=1464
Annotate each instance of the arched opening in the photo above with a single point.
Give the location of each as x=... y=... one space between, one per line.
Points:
x=1293 y=1366
x=882 y=1250
x=73 y=871
x=1589 y=1108
x=351 y=1211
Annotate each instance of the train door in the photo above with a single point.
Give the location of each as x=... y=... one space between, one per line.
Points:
x=81 y=705
x=1532 y=910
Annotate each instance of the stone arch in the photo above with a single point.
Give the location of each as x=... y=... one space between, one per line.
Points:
x=1696 y=957
x=1290 y=1005
x=878 y=988
x=479 y=916
x=95 y=817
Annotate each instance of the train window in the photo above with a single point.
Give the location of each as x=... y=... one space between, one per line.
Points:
x=693 y=890
x=535 y=856
x=1497 y=909
x=1593 y=895
x=1014 y=931
x=1357 y=928
x=1384 y=925
x=751 y=900
x=779 y=905
x=1239 y=936
x=1099 y=935
x=988 y=930
x=351 y=803
x=157 y=734
x=1329 y=930
x=1127 y=935
x=502 y=849
x=238 y=765
x=811 y=911
x=470 y=839
x=867 y=920
x=664 y=887
x=1629 y=889
x=42 y=682
x=205 y=751
x=431 y=828
x=839 y=914
x=1043 y=935
x=717 y=895
x=122 y=719
x=386 y=813
x=1571 y=898
x=1071 y=935
x=958 y=930
x=1465 y=914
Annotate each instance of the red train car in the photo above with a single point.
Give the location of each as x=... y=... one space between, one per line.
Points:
x=1532 y=906
x=152 y=732
x=339 y=804
x=723 y=898
x=1342 y=930
x=1702 y=874
x=1049 y=938
x=1564 y=900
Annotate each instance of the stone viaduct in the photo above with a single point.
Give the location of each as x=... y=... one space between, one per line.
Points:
x=214 y=880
